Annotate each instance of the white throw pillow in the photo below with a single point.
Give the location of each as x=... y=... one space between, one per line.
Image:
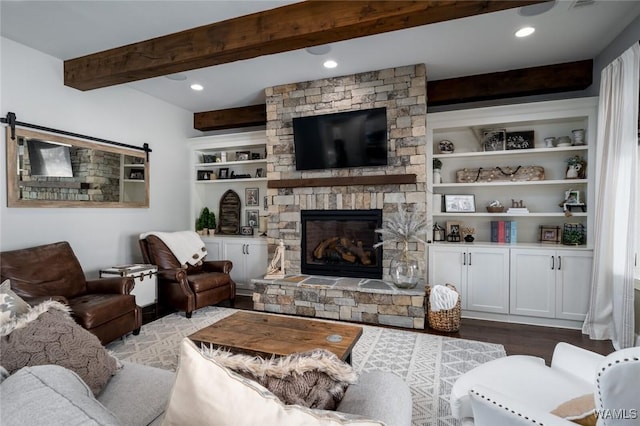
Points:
x=206 y=393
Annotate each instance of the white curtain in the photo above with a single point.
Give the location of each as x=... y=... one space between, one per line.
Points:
x=610 y=314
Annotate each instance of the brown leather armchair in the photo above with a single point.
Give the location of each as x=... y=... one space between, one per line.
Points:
x=52 y=271
x=187 y=288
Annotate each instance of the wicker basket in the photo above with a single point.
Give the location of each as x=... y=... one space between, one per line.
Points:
x=448 y=320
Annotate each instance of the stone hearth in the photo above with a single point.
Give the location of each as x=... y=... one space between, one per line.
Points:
x=350 y=299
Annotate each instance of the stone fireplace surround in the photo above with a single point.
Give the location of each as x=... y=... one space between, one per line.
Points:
x=402 y=91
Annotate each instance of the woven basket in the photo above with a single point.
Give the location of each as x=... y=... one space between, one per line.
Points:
x=448 y=320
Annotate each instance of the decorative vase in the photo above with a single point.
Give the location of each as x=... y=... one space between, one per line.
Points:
x=437 y=177
x=405 y=269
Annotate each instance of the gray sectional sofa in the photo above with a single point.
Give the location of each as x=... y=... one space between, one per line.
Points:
x=137 y=396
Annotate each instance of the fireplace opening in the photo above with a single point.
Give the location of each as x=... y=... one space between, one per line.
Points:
x=340 y=243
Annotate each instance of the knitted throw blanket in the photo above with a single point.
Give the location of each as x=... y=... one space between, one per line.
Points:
x=316 y=379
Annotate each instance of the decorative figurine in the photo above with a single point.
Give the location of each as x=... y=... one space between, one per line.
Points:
x=276 y=267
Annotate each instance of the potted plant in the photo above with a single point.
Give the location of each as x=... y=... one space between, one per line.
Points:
x=204 y=221
x=211 y=222
x=404 y=227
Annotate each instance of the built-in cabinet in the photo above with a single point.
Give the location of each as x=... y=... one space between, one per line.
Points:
x=535 y=285
x=543 y=198
x=133 y=186
x=248 y=254
x=480 y=274
x=550 y=283
x=231 y=161
x=524 y=281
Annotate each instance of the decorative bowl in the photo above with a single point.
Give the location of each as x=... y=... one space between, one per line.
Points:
x=495 y=209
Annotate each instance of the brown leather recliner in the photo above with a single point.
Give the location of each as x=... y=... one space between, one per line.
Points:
x=52 y=271
x=187 y=288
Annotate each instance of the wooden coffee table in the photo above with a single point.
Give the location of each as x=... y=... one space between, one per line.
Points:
x=267 y=334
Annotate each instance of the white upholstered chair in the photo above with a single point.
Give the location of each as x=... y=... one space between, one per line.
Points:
x=522 y=390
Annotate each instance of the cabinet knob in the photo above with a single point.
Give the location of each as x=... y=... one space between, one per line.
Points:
x=247 y=248
x=553 y=263
x=469 y=259
x=559 y=262
x=464 y=258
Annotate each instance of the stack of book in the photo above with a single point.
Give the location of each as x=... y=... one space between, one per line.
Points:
x=504 y=231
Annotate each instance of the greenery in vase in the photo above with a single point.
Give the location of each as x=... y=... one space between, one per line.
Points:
x=403 y=227
x=204 y=218
x=572 y=237
x=573 y=161
x=211 y=220
x=437 y=164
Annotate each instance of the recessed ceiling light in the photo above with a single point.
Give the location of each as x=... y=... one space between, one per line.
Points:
x=525 y=31
x=330 y=64
x=319 y=50
x=197 y=87
x=176 y=77
x=536 y=9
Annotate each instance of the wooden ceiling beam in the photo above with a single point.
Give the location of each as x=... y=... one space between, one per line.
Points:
x=254 y=115
x=514 y=83
x=541 y=80
x=291 y=27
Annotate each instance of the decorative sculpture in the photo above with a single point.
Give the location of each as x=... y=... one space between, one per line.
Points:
x=276 y=267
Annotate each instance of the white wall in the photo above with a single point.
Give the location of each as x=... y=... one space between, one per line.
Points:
x=32 y=87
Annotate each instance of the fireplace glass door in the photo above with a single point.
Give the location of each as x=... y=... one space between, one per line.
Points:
x=340 y=243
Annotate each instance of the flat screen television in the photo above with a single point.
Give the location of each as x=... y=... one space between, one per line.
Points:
x=49 y=159
x=344 y=139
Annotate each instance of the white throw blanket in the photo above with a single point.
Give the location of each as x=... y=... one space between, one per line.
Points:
x=186 y=246
x=442 y=298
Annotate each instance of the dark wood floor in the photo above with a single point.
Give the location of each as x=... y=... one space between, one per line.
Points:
x=517 y=339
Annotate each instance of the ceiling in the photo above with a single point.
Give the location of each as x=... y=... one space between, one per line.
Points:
x=571 y=30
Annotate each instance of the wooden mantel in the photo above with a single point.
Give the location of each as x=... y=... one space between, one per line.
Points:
x=343 y=181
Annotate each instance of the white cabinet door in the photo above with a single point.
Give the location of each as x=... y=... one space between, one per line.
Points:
x=249 y=257
x=573 y=283
x=532 y=283
x=214 y=249
x=234 y=250
x=256 y=260
x=488 y=280
x=447 y=265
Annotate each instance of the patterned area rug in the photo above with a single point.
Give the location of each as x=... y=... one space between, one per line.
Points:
x=429 y=364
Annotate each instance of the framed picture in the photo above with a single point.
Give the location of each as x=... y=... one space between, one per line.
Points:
x=208 y=158
x=246 y=230
x=242 y=155
x=520 y=140
x=459 y=203
x=259 y=173
x=252 y=218
x=453 y=232
x=204 y=174
x=255 y=155
x=136 y=174
x=572 y=197
x=494 y=139
x=550 y=234
x=251 y=196
x=223 y=173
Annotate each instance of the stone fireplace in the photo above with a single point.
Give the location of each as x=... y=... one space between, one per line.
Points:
x=402 y=91
x=340 y=243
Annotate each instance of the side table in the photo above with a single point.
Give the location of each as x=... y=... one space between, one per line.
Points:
x=145 y=284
